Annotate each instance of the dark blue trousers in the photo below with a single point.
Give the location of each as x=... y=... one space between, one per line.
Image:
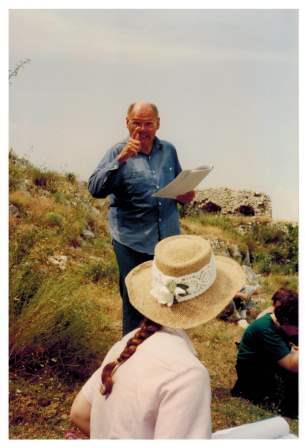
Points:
x=128 y=259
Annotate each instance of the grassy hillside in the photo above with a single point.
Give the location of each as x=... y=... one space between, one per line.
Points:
x=64 y=304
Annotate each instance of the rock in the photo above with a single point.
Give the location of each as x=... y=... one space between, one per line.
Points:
x=14 y=210
x=87 y=234
x=25 y=185
x=247 y=259
x=235 y=252
x=98 y=259
x=59 y=260
x=44 y=402
x=251 y=277
x=95 y=211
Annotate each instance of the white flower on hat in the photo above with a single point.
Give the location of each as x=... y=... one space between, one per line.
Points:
x=165 y=297
x=169 y=292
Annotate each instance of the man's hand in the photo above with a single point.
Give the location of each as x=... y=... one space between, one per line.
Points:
x=132 y=147
x=185 y=198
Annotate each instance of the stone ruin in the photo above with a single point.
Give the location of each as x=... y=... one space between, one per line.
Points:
x=226 y=201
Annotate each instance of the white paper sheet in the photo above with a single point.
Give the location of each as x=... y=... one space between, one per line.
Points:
x=271 y=428
x=186 y=181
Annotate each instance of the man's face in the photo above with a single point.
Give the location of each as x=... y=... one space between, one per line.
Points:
x=144 y=118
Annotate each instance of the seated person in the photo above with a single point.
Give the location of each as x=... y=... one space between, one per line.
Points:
x=151 y=385
x=237 y=309
x=267 y=360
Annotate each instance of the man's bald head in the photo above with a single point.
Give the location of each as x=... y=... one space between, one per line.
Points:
x=143 y=105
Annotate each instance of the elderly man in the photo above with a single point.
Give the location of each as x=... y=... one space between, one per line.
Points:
x=130 y=172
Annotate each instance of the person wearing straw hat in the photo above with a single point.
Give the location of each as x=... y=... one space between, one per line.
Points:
x=151 y=385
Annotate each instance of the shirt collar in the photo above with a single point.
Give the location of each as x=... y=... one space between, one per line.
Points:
x=157 y=143
x=182 y=334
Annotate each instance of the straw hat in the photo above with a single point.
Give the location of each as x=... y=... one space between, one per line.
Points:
x=185 y=285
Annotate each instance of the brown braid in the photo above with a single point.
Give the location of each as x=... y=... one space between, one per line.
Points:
x=147 y=329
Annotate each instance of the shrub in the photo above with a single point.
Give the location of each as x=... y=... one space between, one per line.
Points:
x=70 y=177
x=47 y=180
x=54 y=219
x=97 y=271
x=293 y=241
x=24 y=284
x=59 y=197
x=72 y=231
x=262 y=263
x=22 y=242
x=268 y=234
x=15 y=176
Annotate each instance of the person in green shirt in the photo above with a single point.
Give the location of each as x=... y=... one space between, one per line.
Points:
x=268 y=356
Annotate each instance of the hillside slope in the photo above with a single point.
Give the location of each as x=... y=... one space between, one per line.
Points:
x=65 y=309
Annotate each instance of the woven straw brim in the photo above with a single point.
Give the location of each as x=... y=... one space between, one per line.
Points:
x=230 y=279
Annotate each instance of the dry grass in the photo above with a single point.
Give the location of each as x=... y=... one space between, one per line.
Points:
x=207 y=231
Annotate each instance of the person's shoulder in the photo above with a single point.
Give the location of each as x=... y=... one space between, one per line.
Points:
x=265 y=318
x=258 y=325
x=165 y=144
x=117 y=147
x=265 y=328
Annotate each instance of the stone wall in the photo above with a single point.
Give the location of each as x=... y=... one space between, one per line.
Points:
x=231 y=202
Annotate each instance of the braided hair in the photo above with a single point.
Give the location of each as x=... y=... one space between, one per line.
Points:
x=147 y=329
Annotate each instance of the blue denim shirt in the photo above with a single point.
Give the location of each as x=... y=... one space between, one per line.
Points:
x=136 y=219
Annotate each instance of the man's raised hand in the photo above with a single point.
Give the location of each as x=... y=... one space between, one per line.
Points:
x=132 y=147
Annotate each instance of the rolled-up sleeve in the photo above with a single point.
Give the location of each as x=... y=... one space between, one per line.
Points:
x=184 y=411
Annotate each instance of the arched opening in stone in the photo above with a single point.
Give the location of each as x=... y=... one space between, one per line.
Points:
x=211 y=207
x=246 y=210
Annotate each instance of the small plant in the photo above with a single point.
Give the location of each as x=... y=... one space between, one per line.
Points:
x=71 y=177
x=24 y=284
x=54 y=219
x=59 y=197
x=22 y=242
x=45 y=179
x=268 y=234
x=263 y=263
x=97 y=271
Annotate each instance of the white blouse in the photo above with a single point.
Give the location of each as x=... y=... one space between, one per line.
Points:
x=161 y=392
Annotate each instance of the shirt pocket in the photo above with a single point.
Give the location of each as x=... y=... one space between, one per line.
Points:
x=135 y=168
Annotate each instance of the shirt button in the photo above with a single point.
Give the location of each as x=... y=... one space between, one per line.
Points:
x=160 y=220
x=159 y=203
x=157 y=186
